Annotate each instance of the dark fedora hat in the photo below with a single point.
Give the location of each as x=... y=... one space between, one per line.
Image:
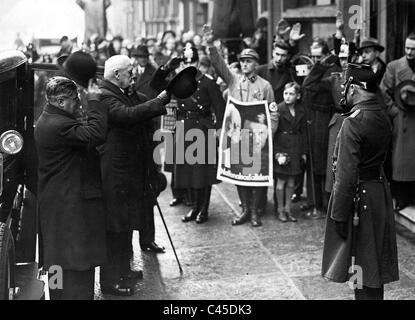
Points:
x=78 y=66
x=405 y=95
x=370 y=43
x=184 y=84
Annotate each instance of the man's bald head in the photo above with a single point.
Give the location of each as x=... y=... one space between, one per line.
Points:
x=118 y=70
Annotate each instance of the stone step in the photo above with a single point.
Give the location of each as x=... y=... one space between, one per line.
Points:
x=406 y=217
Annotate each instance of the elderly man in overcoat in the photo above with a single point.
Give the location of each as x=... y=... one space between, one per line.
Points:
x=398 y=73
x=71 y=208
x=360 y=240
x=127 y=167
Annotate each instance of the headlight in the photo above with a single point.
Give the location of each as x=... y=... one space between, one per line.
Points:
x=11 y=142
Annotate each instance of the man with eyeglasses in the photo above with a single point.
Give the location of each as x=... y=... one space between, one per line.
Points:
x=127 y=167
x=320 y=107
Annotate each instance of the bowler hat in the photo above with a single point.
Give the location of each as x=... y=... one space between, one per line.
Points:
x=370 y=43
x=140 y=51
x=405 y=95
x=184 y=84
x=79 y=67
x=249 y=54
x=159 y=183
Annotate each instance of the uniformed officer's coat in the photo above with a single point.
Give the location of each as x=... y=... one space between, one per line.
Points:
x=360 y=152
x=197 y=112
x=319 y=105
x=403 y=143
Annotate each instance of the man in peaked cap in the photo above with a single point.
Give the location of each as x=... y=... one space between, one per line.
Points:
x=360 y=239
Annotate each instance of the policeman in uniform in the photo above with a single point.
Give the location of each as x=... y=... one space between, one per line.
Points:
x=196 y=113
x=360 y=239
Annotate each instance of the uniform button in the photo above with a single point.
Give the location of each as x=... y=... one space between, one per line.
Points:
x=364 y=207
x=405 y=130
x=364 y=191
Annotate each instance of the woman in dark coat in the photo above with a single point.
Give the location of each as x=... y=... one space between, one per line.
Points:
x=289 y=149
x=71 y=208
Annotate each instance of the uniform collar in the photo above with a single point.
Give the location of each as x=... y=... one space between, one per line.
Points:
x=251 y=78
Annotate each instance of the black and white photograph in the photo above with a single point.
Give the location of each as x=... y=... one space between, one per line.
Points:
x=213 y=157
x=244 y=153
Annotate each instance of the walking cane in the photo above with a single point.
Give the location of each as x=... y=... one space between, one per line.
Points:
x=165 y=226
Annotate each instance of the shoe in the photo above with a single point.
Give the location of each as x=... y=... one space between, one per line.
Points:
x=315 y=215
x=196 y=195
x=117 y=290
x=400 y=206
x=152 y=247
x=255 y=219
x=203 y=214
x=282 y=216
x=132 y=274
x=175 y=202
x=306 y=207
x=291 y=218
x=243 y=218
x=202 y=217
x=296 y=198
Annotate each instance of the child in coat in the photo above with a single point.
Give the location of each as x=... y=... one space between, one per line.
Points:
x=289 y=149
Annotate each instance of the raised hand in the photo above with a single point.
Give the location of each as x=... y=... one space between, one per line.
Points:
x=283 y=29
x=207 y=34
x=339 y=21
x=295 y=34
x=93 y=92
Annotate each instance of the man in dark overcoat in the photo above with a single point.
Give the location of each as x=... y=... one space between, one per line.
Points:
x=126 y=160
x=399 y=72
x=360 y=222
x=70 y=200
x=319 y=106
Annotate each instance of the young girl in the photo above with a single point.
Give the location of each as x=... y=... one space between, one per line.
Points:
x=289 y=149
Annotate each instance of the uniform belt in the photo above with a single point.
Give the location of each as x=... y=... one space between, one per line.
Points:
x=191 y=114
x=372 y=174
x=291 y=132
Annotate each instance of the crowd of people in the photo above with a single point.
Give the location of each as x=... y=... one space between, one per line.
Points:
x=316 y=123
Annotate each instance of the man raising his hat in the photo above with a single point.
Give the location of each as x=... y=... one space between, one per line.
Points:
x=398 y=89
x=360 y=239
x=70 y=199
x=247 y=87
x=127 y=167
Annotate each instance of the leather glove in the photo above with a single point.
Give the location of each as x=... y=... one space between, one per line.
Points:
x=164 y=97
x=329 y=61
x=341 y=229
x=172 y=64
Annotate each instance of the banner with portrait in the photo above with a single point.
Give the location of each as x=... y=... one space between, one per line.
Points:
x=245 y=148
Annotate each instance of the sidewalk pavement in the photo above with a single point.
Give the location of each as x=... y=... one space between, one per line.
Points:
x=221 y=262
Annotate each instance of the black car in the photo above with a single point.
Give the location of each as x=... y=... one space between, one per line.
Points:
x=18 y=164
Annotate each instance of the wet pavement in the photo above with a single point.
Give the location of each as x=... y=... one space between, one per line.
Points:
x=220 y=262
